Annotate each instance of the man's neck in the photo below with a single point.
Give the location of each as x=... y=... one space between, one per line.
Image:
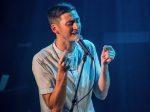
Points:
x=63 y=45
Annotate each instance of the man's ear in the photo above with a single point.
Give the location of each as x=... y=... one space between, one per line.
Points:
x=54 y=28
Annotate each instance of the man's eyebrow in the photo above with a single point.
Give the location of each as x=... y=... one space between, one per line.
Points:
x=70 y=21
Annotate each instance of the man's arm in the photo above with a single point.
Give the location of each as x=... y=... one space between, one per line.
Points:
x=56 y=100
x=104 y=81
x=107 y=56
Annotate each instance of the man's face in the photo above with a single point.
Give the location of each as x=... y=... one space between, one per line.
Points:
x=69 y=25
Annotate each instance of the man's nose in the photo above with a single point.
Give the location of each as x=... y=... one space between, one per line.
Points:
x=75 y=25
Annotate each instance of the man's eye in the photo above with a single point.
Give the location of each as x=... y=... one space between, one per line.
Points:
x=70 y=23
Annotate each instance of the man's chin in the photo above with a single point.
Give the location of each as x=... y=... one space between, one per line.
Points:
x=73 y=37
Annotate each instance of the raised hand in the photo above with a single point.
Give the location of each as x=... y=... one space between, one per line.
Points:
x=108 y=54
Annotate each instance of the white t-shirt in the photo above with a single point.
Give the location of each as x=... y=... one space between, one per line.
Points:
x=44 y=67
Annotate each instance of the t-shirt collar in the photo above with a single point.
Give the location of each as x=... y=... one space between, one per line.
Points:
x=60 y=52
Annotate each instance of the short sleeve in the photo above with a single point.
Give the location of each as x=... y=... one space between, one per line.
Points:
x=43 y=75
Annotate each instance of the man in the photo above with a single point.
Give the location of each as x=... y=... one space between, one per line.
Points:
x=57 y=68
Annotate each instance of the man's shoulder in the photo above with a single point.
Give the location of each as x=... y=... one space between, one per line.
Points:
x=89 y=44
x=43 y=52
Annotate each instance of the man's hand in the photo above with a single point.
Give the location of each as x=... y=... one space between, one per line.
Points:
x=108 y=54
x=62 y=67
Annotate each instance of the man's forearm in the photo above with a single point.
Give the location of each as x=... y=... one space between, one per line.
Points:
x=104 y=80
x=57 y=98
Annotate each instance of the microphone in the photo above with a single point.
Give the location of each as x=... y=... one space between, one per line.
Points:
x=82 y=44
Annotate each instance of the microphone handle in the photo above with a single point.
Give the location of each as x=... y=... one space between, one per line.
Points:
x=81 y=43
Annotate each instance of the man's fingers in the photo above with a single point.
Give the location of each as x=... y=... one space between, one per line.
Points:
x=107 y=48
x=108 y=54
x=111 y=57
x=63 y=62
x=62 y=58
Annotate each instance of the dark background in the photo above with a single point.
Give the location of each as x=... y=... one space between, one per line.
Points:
x=124 y=24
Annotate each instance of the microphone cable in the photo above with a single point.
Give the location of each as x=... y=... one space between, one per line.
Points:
x=91 y=87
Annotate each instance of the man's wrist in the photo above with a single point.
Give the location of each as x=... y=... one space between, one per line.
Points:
x=61 y=82
x=56 y=110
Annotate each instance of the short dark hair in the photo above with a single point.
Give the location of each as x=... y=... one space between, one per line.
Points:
x=57 y=10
